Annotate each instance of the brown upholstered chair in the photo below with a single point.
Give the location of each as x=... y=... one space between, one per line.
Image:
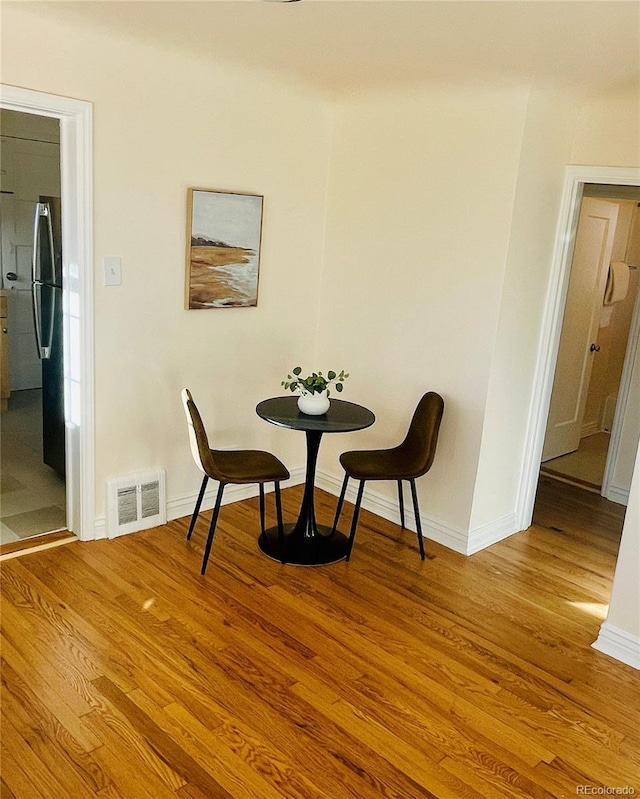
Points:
x=408 y=461
x=229 y=466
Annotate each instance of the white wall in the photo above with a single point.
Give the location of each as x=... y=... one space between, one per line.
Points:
x=546 y=145
x=609 y=127
x=163 y=122
x=421 y=196
x=620 y=633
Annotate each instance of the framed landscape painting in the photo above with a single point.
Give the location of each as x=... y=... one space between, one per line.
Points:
x=223 y=249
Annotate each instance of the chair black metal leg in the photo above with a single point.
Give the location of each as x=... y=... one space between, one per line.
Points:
x=262 y=527
x=401 y=503
x=343 y=491
x=354 y=521
x=212 y=528
x=196 y=510
x=280 y=524
x=416 y=511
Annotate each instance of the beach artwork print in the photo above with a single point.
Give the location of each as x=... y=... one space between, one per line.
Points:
x=223 y=249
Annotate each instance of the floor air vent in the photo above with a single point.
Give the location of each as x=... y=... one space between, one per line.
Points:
x=135 y=502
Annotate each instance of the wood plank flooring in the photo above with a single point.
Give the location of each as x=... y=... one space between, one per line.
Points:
x=125 y=674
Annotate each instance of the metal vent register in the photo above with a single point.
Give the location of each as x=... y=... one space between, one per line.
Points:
x=135 y=502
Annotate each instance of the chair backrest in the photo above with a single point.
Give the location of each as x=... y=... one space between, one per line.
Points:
x=419 y=445
x=197 y=435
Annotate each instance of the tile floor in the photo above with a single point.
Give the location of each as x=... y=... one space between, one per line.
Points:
x=32 y=495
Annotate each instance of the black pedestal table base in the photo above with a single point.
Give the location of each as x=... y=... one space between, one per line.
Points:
x=307 y=543
x=323 y=548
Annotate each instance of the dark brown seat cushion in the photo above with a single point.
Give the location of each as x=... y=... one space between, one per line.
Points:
x=248 y=466
x=409 y=460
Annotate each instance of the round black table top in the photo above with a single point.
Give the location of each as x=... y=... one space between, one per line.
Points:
x=342 y=417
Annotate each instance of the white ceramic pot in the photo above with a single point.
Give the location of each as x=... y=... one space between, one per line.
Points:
x=314 y=404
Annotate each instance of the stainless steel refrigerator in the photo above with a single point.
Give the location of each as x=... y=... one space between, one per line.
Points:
x=46 y=287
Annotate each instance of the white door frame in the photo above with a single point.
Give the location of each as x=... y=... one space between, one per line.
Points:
x=575 y=178
x=76 y=167
x=609 y=489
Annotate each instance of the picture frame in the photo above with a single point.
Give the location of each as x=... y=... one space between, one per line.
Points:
x=224 y=231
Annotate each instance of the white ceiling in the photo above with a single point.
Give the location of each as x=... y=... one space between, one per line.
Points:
x=346 y=46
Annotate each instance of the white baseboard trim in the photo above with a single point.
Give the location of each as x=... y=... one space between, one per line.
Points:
x=590 y=429
x=99 y=529
x=432 y=528
x=492 y=532
x=618 y=644
x=435 y=529
x=177 y=507
x=183 y=506
x=617 y=493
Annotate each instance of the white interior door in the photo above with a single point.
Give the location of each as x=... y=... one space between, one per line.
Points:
x=591 y=259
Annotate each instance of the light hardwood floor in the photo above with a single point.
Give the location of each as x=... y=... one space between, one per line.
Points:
x=127 y=674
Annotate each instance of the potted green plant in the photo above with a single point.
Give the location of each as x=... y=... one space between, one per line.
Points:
x=314 y=389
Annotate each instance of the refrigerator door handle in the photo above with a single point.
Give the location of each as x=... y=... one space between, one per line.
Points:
x=43 y=211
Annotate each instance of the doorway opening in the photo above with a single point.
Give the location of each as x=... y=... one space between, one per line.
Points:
x=599 y=328
x=32 y=462
x=74 y=118
x=576 y=178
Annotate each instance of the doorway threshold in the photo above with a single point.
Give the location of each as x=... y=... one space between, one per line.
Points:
x=572 y=481
x=584 y=467
x=37 y=543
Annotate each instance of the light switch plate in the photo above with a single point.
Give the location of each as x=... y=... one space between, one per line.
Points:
x=112 y=270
